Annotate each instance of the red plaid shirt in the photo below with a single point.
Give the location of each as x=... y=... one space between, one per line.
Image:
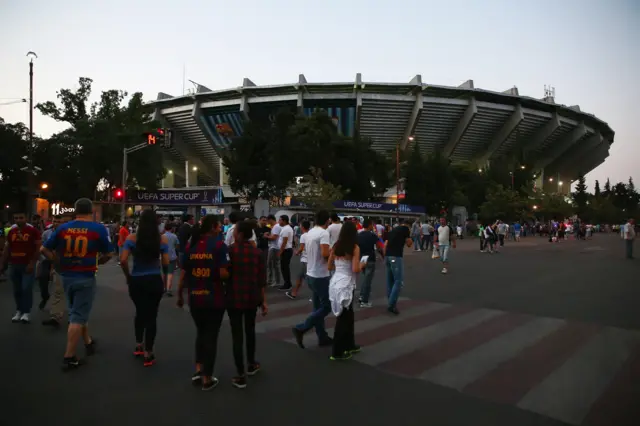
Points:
x=248 y=276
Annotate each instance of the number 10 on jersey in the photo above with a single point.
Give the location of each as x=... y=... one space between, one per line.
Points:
x=76 y=246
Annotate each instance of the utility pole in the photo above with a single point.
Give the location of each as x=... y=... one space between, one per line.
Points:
x=125 y=155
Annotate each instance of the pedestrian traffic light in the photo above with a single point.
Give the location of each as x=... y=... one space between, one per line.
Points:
x=151 y=139
x=117 y=194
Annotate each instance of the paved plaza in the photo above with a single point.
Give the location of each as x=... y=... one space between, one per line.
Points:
x=539 y=334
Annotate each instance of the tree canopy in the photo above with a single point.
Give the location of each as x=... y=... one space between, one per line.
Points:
x=74 y=161
x=267 y=159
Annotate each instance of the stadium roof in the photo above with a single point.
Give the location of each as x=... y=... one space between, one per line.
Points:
x=464 y=122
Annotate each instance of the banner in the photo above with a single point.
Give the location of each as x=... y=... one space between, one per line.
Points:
x=185 y=196
x=381 y=207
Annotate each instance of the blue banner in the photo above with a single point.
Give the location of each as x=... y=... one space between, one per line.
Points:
x=184 y=196
x=375 y=206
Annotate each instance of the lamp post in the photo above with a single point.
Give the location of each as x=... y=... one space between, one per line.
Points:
x=410 y=139
x=31 y=170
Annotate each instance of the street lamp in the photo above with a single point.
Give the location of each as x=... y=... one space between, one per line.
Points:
x=522 y=167
x=44 y=185
x=535 y=207
x=170 y=172
x=410 y=139
x=195 y=169
x=6 y=206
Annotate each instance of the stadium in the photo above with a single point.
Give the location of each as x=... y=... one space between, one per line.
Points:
x=463 y=122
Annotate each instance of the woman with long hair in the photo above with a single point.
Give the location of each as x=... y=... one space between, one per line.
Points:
x=150 y=256
x=345 y=261
x=204 y=267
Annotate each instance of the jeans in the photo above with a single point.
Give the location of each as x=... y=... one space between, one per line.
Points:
x=273 y=267
x=285 y=267
x=367 y=279
x=395 y=273
x=243 y=326
x=321 y=307
x=629 y=248
x=57 y=307
x=426 y=242
x=208 y=322
x=416 y=242
x=80 y=292
x=146 y=292
x=22 y=287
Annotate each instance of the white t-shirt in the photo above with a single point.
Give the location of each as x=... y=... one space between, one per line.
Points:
x=273 y=244
x=444 y=233
x=379 y=230
x=286 y=232
x=334 y=232
x=303 y=255
x=229 y=239
x=316 y=264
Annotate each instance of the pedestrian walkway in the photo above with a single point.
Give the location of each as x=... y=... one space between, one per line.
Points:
x=575 y=372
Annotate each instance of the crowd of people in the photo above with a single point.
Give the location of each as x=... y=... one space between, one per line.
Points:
x=224 y=268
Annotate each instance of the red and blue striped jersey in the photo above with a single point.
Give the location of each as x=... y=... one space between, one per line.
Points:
x=77 y=245
x=201 y=265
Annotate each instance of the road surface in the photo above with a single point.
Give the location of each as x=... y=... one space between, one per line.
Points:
x=539 y=334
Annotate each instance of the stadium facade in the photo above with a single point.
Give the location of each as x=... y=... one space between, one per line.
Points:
x=463 y=122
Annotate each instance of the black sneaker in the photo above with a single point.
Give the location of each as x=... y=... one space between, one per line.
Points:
x=149 y=361
x=343 y=357
x=354 y=350
x=393 y=310
x=212 y=384
x=239 y=382
x=138 y=351
x=327 y=341
x=196 y=379
x=71 y=363
x=168 y=293
x=51 y=322
x=299 y=336
x=90 y=348
x=290 y=295
x=252 y=369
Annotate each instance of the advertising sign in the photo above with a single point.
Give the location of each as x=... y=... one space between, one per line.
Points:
x=184 y=197
x=58 y=209
x=375 y=206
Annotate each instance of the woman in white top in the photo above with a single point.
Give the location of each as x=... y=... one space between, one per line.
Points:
x=345 y=261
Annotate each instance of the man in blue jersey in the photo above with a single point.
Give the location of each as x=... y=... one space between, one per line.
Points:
x=77 y=248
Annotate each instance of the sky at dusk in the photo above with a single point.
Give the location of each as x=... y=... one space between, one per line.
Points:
x=588 y=50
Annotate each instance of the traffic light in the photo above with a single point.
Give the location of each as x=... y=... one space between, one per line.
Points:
x=165 y=136
x=117 y=194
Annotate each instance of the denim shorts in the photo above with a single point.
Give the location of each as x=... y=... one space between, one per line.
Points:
x=79 y=292
x=444 y=253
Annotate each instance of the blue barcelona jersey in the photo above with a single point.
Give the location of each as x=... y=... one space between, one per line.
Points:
x=78 y=244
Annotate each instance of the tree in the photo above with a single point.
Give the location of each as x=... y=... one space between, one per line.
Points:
x=268 y=158
x=633 y=199
x=607 y=189
x=552 y=205
x=13 y=145
x=580 y=196
x=602 y=210
x=503 y=204
x=596 y=190
x=316 y=193
x=98 y=134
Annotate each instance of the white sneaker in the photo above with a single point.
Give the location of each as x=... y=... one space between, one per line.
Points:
x=444 y=270
x=25 y=319
x=16 y=317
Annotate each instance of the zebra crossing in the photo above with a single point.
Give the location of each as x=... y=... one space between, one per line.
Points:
x=579 y=373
